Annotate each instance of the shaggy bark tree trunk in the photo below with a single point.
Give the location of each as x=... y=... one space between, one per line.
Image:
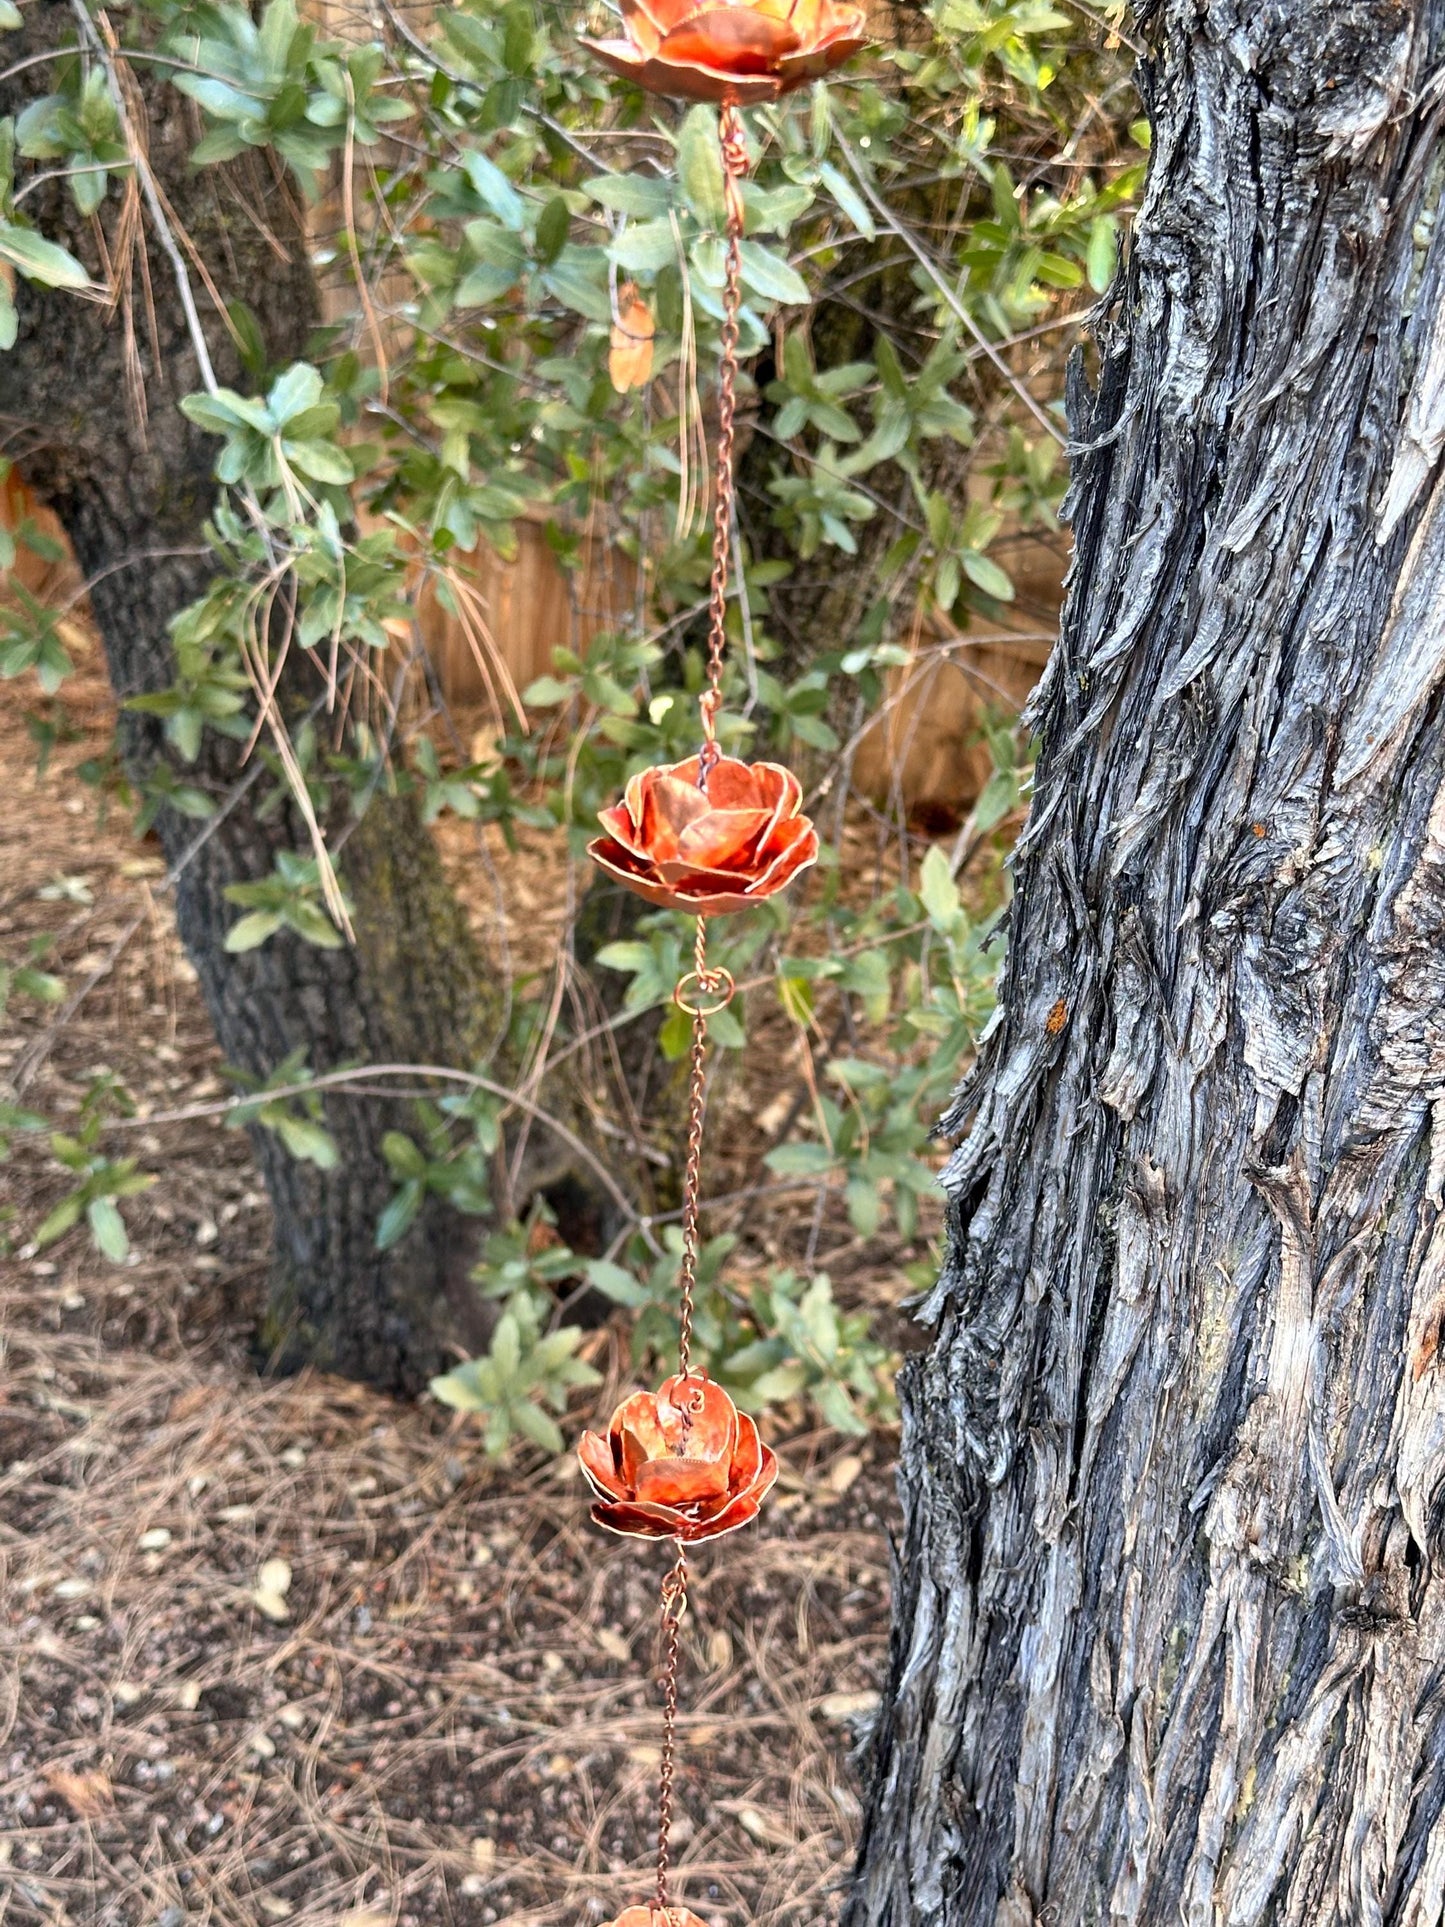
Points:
x=133 y=495
x=1170 y=1619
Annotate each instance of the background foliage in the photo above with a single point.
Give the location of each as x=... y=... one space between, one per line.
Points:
x=523 y=265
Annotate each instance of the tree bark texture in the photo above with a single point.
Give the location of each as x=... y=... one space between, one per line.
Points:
x=1169 y=1639
x=133 y=491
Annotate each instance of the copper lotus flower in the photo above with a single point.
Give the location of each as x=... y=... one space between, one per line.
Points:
x=732 y=50
x=657 y=1917
x=679 y=1463
x=707 y=850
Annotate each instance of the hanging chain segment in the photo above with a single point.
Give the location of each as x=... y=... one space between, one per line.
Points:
x=711 y=990
x=674 y=1603
x=735 y=166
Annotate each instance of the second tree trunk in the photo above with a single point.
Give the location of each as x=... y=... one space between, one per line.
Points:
x=1170 y=1621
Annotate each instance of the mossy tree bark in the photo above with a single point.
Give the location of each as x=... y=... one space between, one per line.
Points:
x=1169 y=1633
x=132 y=492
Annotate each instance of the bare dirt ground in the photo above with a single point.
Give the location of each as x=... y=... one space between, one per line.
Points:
x=290 y=1651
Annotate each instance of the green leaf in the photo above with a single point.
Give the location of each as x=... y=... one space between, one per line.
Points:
x=699 y=167
x=253 y=930
x=191 y=802
x=10 y=16
x=1103 y=253
x=1058 y=271
x=40 y=984
x=938 y=890
x=985 y=574
x=546 y=691
x=496 y=190
x=9 y=320
x=251 y=344
x=849 y=199
x=998 y=796
x=760 y=1356
x=534 y=1424
x=59 y=1221
x=322 y=461
x=397 y=1219
x=675 y=1035
x=219 y=414
x=503 y=103
x=300 y=388
x=184 y=730
x=725 y=1029
x=797 y=997
x=578 y=284
x=864 y=1207
x=507 y=1346
x=836 y=1409
x=40 y=260
x=615 y=1283
x=485 y=284
x=108 y=1229
x=553 y=226
x=769 y=275
x=402 y=1155
x=641 y=195
x=306 y=1139
x=220 y=144
x=779 y=1385
x=645 y=248
x=631 y=957
x=518 y=40
x=774 y=210
x=88 y=189
x=313 y=925
x=278 y=28
x=799 y=1160
x=459 y=1389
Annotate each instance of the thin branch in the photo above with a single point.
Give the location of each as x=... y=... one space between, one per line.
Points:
x=339 y=1080
x=1136 y=47
x=129 y=561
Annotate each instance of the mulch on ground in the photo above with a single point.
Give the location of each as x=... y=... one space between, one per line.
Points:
x=294 y=1651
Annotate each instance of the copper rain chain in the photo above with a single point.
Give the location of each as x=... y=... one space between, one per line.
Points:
x=708 y=835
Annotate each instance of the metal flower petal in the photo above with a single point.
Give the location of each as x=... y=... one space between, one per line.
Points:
x=742 y=51
x=707 y=850
x=656 y=1917
x=678 y=1463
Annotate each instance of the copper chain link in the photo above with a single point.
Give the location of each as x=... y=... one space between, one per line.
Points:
x=674 y=1602
x=709 y=983
x=735 y=166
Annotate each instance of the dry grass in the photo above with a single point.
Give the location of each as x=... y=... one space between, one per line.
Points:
x=455 y=1720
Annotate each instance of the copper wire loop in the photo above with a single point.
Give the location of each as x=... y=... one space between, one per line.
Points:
x=709 y=756
x=717 y=984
